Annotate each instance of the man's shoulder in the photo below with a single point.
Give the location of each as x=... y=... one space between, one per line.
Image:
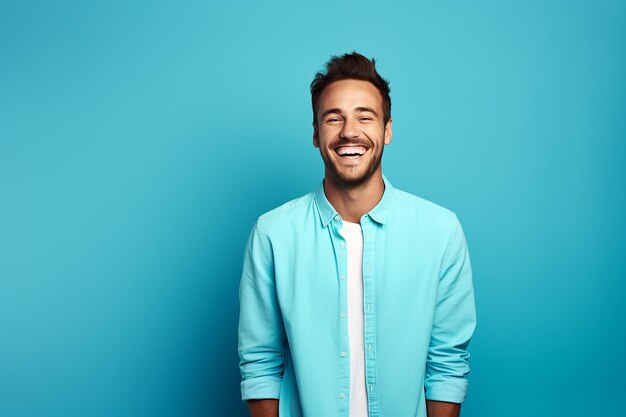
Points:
x=286 y=213
x=413 y=205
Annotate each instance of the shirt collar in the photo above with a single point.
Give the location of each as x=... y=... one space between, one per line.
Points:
x=379 y=213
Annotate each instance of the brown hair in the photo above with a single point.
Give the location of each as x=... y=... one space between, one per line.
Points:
x=352 y=66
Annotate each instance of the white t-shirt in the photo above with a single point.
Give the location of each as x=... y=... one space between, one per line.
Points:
x=353 y=235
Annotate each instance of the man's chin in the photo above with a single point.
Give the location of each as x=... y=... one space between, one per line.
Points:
x=351 y=181
x=357 y=179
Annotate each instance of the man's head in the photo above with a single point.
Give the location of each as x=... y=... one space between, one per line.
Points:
x=352 y=66
x=352 y=118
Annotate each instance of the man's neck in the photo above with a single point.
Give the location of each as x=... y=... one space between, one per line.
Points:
x=353 y=203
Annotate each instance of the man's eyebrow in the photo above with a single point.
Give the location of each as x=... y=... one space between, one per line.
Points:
x=358 y=110
x=367 y=109
x=330 y=111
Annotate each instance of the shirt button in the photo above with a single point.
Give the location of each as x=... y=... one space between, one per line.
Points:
x=343 y=354
x=342 y=395
x=342 y=243
x=337 y=218
x=343 y=277
x=343 y=314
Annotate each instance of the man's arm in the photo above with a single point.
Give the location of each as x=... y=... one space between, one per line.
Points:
x=441 y=409
x=447 y=364
x=261 y=330
x=263 y=408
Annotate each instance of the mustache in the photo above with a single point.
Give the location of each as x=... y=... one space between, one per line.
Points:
x=350 y=142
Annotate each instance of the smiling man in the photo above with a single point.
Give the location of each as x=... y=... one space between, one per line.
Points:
x=356 y=299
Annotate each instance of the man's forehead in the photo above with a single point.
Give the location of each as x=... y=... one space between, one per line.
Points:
x=350 y=95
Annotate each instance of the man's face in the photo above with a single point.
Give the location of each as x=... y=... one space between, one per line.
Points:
x=350 y=131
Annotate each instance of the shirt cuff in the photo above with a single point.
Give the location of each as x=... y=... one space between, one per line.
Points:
x=451 y=391
x=261 y=388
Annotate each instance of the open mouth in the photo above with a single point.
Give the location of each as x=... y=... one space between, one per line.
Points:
x=351 y=152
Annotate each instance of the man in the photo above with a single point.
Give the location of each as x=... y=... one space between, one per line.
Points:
x=357 y=299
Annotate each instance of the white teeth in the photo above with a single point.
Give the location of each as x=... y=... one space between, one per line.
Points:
x=351 y=150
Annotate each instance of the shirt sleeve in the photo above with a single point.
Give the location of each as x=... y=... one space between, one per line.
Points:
x=447 y=364
x=261 y=329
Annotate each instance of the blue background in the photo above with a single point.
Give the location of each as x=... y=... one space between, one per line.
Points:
x=139 y=141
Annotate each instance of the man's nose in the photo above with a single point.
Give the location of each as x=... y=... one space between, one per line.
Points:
x=349 y=129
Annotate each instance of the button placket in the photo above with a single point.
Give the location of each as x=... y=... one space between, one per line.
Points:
x=339 y=244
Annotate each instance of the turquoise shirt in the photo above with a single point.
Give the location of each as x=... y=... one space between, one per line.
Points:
x=418 y=302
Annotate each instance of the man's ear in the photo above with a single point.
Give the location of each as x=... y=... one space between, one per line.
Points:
x=316 y=139
x=388 y=132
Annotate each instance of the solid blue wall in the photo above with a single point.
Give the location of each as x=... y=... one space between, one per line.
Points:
x=139 y=141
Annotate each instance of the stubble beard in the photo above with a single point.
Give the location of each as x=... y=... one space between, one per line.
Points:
x=354 y=182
